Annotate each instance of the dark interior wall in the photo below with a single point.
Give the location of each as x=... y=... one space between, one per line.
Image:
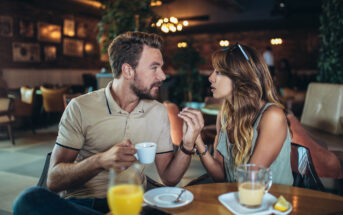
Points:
x=37 y=11
x=300 y=46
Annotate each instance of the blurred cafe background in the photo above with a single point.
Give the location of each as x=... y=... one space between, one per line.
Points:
x=53 y=51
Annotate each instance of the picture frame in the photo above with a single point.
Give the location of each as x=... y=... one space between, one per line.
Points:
x=81 y=30
x=50 y=53
x=49 y=32
x=6 y=26
x=26 y=28
x=72 y=47
x=26 y=52
x=69 y=27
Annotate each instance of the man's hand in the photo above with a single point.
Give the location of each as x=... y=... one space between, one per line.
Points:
x=194 y=124
x=120 y=156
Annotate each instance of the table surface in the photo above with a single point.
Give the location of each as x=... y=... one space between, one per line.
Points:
x=304 y=201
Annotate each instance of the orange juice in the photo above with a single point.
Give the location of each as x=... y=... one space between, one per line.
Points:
x=125 y=199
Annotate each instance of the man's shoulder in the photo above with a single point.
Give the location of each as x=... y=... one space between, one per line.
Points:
x=155 y=106
x=91 y=96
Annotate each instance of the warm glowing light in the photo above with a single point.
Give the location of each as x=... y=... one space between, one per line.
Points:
x=224 y=43
x=170 y=24
x=173 y=20
x=89 y=47
x=182 y=45
x=276 y=41
x=165 y=28
x=155 y=3
x=55 y=34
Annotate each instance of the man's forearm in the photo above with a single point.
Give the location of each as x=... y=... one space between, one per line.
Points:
x=70 y=175
x=176 y=169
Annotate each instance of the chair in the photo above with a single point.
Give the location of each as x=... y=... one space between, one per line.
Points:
x=44 y=176
x=24 y=107
x=53 y=99
x=6 y=116
x=303 y=170
x=176 y=123
x=68 y=97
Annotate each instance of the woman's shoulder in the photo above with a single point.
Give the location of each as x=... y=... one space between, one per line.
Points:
x=273 y=114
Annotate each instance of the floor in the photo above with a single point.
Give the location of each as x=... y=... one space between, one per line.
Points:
x=22 y=164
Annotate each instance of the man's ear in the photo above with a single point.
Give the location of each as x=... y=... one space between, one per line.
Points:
x=127 y=71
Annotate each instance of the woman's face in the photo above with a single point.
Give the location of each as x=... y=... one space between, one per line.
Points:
x=221 y=85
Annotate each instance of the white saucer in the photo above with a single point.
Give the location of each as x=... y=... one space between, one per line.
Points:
x=164 y=196
x=231 y=202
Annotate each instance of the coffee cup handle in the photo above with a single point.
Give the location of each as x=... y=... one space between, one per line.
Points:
x=269 y=181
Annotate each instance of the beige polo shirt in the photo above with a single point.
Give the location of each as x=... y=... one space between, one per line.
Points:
x=94 y=122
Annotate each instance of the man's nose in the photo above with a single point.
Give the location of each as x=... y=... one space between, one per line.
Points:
x=162 y=76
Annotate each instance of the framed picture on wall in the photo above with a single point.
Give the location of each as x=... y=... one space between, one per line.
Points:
x=69 y=27
x=26 y=52
x=49 y=32
x=72 y=47
x=82 y=30
x=6 y=26
x=26 y=28
x=50 y=53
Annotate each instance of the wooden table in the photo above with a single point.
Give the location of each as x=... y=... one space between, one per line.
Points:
x=304 y=201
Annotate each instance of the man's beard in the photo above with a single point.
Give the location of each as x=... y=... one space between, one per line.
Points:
x=145 y=93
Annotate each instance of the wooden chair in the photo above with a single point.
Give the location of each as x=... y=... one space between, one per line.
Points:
x=23 y=107
x=53 y=99
x=6 y=116
x=68 y=97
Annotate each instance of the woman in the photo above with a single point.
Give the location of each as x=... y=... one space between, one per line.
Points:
x=252 y=125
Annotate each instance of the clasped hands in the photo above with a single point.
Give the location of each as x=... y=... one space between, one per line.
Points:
x=194 y=123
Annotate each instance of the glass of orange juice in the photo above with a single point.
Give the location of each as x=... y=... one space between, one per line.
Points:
x=125 y=192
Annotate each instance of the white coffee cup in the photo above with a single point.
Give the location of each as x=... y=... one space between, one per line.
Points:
x=145 y=152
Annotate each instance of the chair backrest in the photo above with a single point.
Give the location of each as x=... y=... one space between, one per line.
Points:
x=68 y=97
x=27 y=94
x=6 y=109
x=324 y=107
x=176 y=122
x=304 y=173
x=53 y=99
x=44 y=176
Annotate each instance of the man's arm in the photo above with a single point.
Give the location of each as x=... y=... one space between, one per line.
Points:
x=171 y=168
x=64 y=173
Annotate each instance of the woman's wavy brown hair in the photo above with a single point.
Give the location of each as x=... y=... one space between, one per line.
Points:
x=252 y=83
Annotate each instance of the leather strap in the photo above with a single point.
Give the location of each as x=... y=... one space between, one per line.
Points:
x=184 y=150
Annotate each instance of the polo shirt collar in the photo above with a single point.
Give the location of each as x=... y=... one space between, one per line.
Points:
x=114 y=108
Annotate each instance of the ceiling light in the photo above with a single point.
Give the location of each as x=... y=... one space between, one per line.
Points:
x=276 y=41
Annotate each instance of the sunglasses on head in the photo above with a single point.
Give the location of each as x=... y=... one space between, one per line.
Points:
x=237 y=45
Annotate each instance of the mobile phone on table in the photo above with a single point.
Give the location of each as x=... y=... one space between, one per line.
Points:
x=150 y=210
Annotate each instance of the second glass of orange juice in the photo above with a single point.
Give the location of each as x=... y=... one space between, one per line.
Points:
x=125 y=193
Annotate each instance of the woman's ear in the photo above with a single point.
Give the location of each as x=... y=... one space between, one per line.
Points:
x=127 y=71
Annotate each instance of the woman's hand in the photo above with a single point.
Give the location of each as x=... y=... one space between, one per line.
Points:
x=194 y=124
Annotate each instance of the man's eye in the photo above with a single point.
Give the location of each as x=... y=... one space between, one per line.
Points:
x=154 y=68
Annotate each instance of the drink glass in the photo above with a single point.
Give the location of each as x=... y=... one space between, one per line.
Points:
x=253 y=182
x=125 y=192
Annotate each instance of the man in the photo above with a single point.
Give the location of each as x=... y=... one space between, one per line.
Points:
x=269 y=58
x=97 y=132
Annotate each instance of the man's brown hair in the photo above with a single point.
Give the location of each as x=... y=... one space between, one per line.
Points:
x=128 y=48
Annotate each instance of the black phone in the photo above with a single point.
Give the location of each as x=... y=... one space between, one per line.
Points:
x=149 y=210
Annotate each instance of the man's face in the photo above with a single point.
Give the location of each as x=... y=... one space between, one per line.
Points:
x=148 y=74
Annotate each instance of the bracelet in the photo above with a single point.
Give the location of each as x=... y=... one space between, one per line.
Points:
x=187 y=152
x=202 y=153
